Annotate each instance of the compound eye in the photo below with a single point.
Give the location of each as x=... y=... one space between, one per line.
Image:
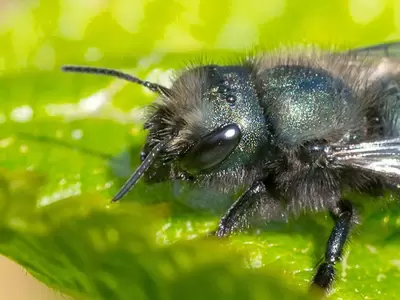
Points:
x=212 y=149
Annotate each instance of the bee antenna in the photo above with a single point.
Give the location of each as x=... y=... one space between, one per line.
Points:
x=115 y=73
x=147 y=162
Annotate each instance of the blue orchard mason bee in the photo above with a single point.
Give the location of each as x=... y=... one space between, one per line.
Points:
x=296 y=128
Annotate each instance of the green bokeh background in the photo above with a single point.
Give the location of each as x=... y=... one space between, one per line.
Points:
x=71 y=140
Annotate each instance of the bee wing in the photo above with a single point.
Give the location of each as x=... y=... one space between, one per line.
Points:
x=381 y=50
x=377 y=62
x=380 y=157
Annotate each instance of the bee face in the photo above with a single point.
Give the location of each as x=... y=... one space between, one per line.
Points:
x=215 y=120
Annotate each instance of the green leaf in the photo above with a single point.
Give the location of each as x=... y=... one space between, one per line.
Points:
x=83 y=248
x=69 y=141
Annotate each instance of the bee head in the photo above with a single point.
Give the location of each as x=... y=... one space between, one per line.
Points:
x=207 y=126
x=213 y=122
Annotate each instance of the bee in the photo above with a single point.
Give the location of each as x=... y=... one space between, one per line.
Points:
x=294 y=129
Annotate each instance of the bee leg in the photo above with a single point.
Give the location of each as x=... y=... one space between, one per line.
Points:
x=325 y=275
x=255 y=200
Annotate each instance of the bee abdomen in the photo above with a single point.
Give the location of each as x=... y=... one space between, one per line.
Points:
x=389 y=108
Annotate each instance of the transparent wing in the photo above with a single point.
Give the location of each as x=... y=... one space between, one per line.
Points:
x=382 y=50
x=378 y=62
x=380 y=157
